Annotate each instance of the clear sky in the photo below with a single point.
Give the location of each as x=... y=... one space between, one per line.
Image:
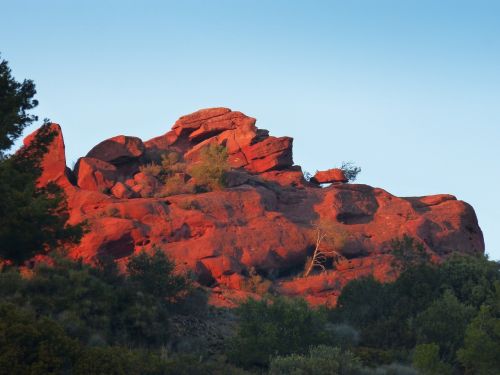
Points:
x=407 y=89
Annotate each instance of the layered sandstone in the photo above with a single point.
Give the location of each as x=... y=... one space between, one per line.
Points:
x=263 y=223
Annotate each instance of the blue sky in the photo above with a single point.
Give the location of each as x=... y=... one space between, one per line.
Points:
x=408 y=90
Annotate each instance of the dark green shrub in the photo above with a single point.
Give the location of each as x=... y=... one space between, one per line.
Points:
x=426 y=360
x=154 y=274
x=321 y=360
x=115 y=360
x=471 y=278
x=479 y=354
x=443 y=323
x=276 y=327
x=31 y=346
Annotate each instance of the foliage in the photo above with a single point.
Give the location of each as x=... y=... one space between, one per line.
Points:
x=321 y=360
x=175 y=185
x=427 y=304
x=408 y=253
x=115 y=360
x=443 y=323
x=482 y=339
x=31 y=346
x=16 y=99
x=276 y=327
x=155 y=274
x=100 y=306
x=307 y=176
x=350 y=170
x=471 y=278
x=151 y=169
x=170 y=164
x=32 y=220
x=426 y=359
x=365 y=304
x=210 y=171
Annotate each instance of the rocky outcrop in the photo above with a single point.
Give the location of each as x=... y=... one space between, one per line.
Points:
x=54 y=161
x=262 y=226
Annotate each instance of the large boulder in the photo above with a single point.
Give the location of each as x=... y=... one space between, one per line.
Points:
x=118 y=150
x=219 y=124
x=271 y=153
x=189 y=123
x=95 y=174
x=330 y=176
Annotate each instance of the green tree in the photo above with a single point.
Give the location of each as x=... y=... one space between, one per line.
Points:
x=444 y=323
x=471 y=278
x=16 y=99
x=154 y=274
x=31 y=346
x=75 y=295
x=278 y=327
x=427 y=361
x=480 y=354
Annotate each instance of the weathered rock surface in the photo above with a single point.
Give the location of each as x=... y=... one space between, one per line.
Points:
x=262 y=224
x=330 y=176
x=95 y=174
x=118 y=150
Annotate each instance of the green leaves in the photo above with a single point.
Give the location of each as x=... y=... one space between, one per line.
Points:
x=154 y=274
x=210 y=172
x=276 y=327
x=426 y=359
x=16 y=99
x=482 y=339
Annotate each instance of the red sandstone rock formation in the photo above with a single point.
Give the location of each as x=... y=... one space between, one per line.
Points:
x=262 y=222
x=330 y=176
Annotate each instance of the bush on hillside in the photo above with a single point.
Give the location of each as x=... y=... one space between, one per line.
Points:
x=320 y=360
x=276 y=327
x=210 y=172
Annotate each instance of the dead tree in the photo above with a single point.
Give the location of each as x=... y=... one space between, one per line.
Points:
x=320 y=256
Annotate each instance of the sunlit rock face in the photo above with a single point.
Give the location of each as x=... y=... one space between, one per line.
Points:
x=258 y=232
